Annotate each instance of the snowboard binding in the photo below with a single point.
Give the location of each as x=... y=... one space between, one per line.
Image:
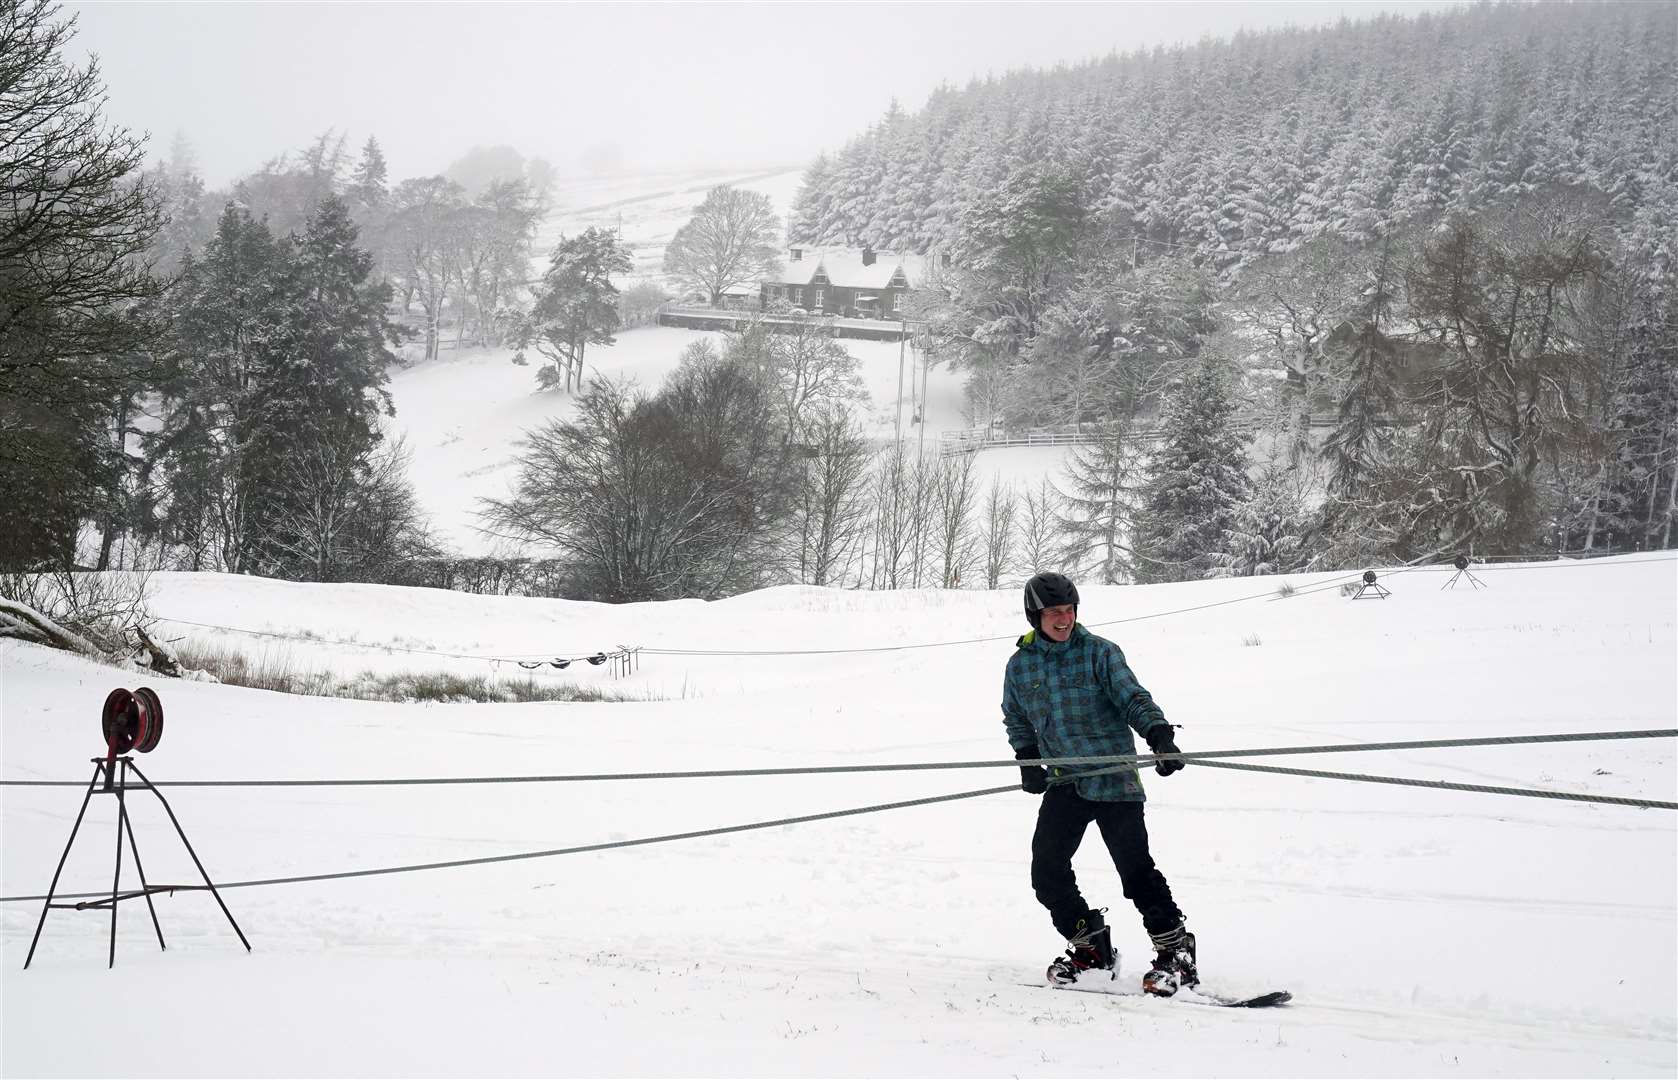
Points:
x=1089 y=949
x=1174 y=963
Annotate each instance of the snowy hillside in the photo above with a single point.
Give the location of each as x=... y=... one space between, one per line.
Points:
x=1422 y=932
x=648 y=209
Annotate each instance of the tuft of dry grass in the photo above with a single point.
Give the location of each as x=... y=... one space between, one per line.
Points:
x=277 y=670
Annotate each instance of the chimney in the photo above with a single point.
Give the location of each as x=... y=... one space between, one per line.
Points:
x=868 y=256
x=797 y=254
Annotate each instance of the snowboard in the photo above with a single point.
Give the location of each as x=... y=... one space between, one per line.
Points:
x=1198 y=995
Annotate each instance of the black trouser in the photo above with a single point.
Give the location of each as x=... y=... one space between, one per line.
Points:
x=1061 y=822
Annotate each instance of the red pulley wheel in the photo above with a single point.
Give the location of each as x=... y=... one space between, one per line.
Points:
x=154 y=720
x=119 y=721
x=142 y=721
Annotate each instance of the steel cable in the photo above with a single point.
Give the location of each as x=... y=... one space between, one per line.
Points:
x=551 y=852
x=1122 y=760
x=1128 y=761
x=1447 y=785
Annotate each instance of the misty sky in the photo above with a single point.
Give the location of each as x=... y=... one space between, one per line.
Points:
x=645 y=85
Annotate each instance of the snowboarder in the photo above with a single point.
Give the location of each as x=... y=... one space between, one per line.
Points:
x=1070 y=693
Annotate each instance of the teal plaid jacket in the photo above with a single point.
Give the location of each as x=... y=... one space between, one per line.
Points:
x=1078 y=698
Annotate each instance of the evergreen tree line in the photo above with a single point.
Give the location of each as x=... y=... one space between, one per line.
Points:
x=1232 y=150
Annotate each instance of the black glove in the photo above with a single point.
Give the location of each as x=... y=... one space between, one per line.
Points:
x=1160 y=742
x=1034 y=779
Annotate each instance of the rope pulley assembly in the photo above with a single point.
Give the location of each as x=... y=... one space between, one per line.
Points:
x=131 y=720
x=563 y=662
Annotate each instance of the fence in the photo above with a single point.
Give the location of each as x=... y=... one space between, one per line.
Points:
x=698 y=317
x=972 y=440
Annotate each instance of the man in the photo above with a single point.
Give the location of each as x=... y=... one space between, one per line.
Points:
x=1069 y=693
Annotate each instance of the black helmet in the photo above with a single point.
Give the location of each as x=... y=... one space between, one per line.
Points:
x=1046 y=591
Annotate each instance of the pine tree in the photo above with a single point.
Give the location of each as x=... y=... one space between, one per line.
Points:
x=1099 y=503
x=1635 y=502
x=368 y=187
x=576 y=306
x=1365 y=368
x=1270 y=529
x=1196 y=480
x=227 y=319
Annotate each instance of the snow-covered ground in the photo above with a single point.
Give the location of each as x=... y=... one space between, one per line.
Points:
x=1422 y=932
x=647 y=209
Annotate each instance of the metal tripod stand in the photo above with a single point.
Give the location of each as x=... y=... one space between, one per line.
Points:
x=116 y=782
x=1462 y=570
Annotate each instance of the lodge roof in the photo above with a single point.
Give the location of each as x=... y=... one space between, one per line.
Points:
x=843 y=267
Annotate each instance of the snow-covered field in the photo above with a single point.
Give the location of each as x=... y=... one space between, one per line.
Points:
x=1422 y=932
x=647 y=209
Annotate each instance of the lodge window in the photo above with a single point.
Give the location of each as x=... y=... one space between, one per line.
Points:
x=897 y=301
x=797 y=295
x=820 y=301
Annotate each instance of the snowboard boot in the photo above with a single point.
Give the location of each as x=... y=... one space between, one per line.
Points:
x=1174 y=963
x=1089 y=949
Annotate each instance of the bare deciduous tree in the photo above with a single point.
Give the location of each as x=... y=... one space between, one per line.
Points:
x=731 y=239
x=655 y=498
x=830 y=514
x=955 y=493
x=998 y=528
x=1040 y=540
x=1500 y=295
x=426 y=253
x=804 y=367
x=350 y=513
x=893 y=493
x=1298 y=301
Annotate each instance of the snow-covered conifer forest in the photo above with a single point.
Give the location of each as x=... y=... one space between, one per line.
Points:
x=1431 y=257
